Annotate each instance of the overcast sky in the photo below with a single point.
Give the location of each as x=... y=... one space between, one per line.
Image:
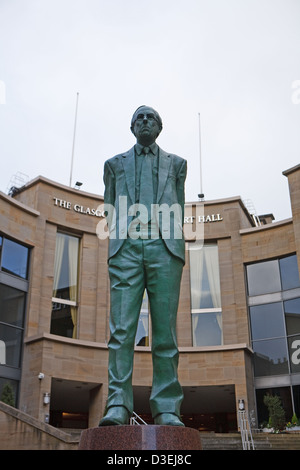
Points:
x=233 y=61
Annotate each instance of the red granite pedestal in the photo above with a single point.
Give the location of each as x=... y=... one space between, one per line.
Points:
x=152 y=437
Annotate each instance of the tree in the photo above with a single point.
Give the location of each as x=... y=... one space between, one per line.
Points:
x=276 y=412
x=7 y=395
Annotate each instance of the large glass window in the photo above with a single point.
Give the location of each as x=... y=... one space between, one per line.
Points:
x=275 y=330
x=12 y=305
x=275 y=326
x=66 y=267
x=284 y=393
x=64 y=307
x=263 y=278
x=9 y=391
x=12 y=310
x=205 y=294
x=296 y=397
x=270 y=357
x=14 y=261
x=289 y=272
x=294 y=353
x=292 y=316
x=267 y=321
x=11 y=344
x=273 y=276
x=207 y=328
x=14 y=258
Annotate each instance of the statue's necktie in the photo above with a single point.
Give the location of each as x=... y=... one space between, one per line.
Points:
x=146 y=184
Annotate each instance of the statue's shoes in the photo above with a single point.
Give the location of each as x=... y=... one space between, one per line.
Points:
x=168 y=419
x=116 y=415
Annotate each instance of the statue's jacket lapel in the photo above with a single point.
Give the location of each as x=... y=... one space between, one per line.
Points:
x=128 y=162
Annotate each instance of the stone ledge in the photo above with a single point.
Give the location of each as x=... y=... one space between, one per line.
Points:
x=144 y=437
x=29 y=420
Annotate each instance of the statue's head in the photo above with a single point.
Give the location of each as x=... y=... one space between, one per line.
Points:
x=146 y=125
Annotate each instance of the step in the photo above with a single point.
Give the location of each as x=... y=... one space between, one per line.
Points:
x=262 y=441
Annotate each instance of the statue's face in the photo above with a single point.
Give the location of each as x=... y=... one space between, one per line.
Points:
x=146 y=128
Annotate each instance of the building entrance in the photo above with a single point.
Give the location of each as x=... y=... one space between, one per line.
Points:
x=206 y=408
x=70 y=402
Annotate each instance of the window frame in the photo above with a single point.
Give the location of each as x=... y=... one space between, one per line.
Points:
x=3 y=237
x=277 y=297
x=210 y=310
x=12 y=280
x=68 y=302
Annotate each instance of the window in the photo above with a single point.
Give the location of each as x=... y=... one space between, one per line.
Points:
x=12 y=305
x=14 y=258
x=12 y=311
x=142 y=334
x=269 y=343
x=8 y=391
x=270 y=357
x=284 y=393
x=289 y=272
x=275 y=329
x=267 y=321
x=14 y=269
x=292 y=315
x=205 y=294
x=11 y=344
x=64 y=300
x=207 y=329
x=263 y=278
x=275 y=326
x=294 y=353
x=273 y=276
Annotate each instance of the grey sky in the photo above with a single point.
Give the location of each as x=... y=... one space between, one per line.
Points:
x=234 y=61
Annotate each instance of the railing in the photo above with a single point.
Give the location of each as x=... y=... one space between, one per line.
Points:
x=136 y=420
x=245 y=429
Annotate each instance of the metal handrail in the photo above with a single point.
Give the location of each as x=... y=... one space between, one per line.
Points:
x=245 y=429
x=136 y=420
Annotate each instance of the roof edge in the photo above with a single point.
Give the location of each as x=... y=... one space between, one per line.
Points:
x=42 y=179
x=291 y=170
x=19 y=204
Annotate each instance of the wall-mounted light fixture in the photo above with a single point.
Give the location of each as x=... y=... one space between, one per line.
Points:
x=46 y=399
x=241 y=405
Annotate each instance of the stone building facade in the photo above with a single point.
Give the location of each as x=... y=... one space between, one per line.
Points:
x=238 y=322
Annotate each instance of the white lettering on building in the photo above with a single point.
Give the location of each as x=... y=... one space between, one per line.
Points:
x=203 y=218
x=100 y=213
x=78 y=208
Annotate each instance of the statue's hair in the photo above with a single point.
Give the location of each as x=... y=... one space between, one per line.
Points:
x=157 y=117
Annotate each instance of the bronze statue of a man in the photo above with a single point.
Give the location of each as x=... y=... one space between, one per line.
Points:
x=146 y=251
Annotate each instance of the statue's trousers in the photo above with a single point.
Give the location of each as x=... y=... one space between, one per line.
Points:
x=138 y=265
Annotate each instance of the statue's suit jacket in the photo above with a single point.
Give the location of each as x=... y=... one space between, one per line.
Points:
x=119 y=180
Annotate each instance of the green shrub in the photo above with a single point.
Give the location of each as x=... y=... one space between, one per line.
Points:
x=276 y=412
x=7 y=395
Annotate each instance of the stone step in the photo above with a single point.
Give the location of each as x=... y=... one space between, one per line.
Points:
x=262 y=441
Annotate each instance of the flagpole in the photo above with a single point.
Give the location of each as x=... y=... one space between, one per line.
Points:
x=73 y=147
x=201 y=195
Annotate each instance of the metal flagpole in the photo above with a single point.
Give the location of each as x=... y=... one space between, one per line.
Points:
x=73 y=147
x=201 y=195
